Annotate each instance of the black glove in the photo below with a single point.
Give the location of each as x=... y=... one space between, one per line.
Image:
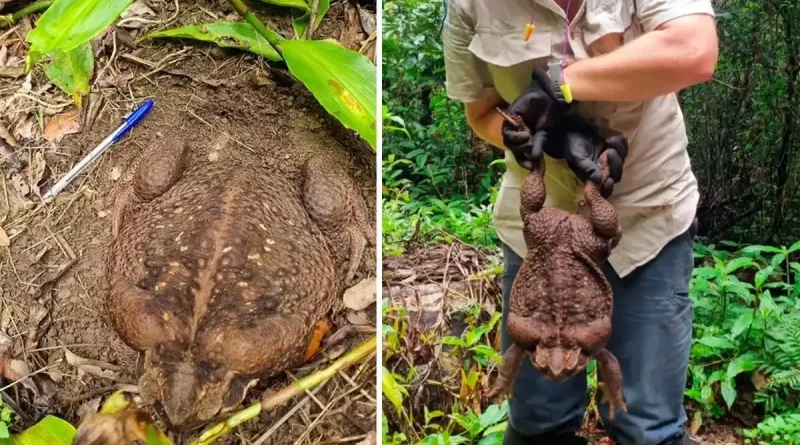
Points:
x=539 y=107
x=581 y=151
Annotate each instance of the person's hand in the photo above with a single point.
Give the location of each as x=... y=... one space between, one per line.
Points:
x=517 y=139
x=540 y=105
x=581 y=151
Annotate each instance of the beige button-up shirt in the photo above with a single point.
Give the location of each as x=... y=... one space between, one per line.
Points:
x=484 y=52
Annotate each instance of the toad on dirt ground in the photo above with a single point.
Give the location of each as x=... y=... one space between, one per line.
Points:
x=236 y=115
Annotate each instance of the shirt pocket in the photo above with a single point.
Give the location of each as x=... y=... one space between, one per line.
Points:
x=607 y=25
x=510 y=60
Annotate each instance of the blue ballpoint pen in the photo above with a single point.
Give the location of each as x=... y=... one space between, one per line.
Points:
x=130 y=121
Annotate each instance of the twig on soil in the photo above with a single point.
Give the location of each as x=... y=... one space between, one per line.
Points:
x=12 y=19
x=149 y=64
x=288 y=415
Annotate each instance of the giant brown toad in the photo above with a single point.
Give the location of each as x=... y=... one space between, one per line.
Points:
x=560 y=302
x=219 y=272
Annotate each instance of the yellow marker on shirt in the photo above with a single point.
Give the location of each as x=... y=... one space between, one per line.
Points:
x=528 y=31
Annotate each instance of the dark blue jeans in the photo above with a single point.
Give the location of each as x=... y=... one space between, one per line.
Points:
x=651 y=337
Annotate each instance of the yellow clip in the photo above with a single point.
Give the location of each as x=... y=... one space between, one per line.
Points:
x=567 y=93
x=528 y=31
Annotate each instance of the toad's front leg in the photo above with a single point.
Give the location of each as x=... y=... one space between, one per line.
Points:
x=610 y=382
x=512 y=360
x=336 y=206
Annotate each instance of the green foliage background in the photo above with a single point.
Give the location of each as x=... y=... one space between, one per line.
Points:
x=440 y=182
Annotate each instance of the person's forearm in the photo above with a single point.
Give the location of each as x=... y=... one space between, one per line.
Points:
x=655 y=64
x=489 y=127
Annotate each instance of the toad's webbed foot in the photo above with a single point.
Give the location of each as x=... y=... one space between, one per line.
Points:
x=610 y=382
x=504 y=385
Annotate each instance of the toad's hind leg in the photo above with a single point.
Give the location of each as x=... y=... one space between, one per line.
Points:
x=142 y=321
x=157 y=170
x=533 y=193
x=335 y=205
x=512 y=360
x=610 y=382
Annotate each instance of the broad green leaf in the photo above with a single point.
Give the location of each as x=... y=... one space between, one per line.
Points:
x=740 y=364
x=495 y=438
x=795 y=247
x=728 y=392
x=225 y=34
x=762 y=275
x=300 y=4
x=716 y=342
x=3 y=431
x=452 y=340
x=488 y=352
x=499 y=428
x=777 y=260
x=493 y=414
x=343 y=81
x=68 y=24
x=392 y=390
x=49 y=431
x=741 y=324
x=737 y=264
x=301 y=23
x=71 y=71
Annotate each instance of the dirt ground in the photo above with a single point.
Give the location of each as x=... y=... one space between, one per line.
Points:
x=227 y=102
x=436 y=285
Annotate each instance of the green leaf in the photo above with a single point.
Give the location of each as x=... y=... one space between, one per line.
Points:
x=740 y=364
x=762 y=275
x=488 y=352
x=795 y=247
x=741 y=324
x=728 y=392
x=492 y=439
x=301 y=23
x=300 y=4
x=392 y=390
x=738 y=263
x=72 y=70
x=68 y=24
x=452 y=341
x=492 y=415
x=225 y=34
x=499 y=428
x=49 y=431
x=716 y=342
x=343 y=81
x=3 y=431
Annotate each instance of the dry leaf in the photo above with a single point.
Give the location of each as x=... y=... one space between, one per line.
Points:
x=19 y=184
x=213 y=156
x=88 y=407
x=3 y=52
x=24 y=128
x=36 y=171
x=138 y=9
x=92 y=367
x=7 y=136
x=115 y=174
x=62 y=125
x=368 y=20
x=38 y=323
x=4 y=241
x=360 y=296
x=358 y=318
x=371 y=439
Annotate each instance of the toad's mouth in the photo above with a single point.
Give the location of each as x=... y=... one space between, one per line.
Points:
x=558 y=364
